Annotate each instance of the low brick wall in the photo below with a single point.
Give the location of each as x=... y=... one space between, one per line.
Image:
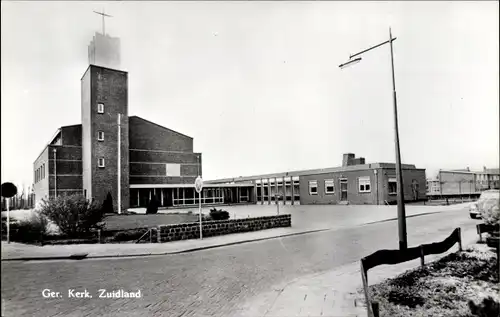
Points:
x=215 y=228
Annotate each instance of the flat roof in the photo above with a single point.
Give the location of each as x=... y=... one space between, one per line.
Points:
x=316 y=171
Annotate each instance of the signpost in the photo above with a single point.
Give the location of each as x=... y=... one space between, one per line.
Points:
x=198 y=185
x=8 y=190
x=277 y=198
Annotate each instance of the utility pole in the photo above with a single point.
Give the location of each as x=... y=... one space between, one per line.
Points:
x=403 y=243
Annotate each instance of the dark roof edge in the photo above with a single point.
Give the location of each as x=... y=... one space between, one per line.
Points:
x=69 y=126
x=103 y=67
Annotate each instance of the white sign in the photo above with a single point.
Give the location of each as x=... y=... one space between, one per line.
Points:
x=173 y=170
x=198 y=184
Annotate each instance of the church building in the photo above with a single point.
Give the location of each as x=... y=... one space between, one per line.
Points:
x=129 y=157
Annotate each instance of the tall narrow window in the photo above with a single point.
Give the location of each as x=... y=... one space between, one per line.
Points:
x=100 y=136
x=313 y=187
x=100 y=108
x=329 y=186
x=100 y=162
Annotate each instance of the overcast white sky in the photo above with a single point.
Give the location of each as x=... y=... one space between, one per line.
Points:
x=257 y=84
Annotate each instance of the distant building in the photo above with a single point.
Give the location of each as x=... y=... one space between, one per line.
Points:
x=355 y=182
x=462 y=182
x=433 y=187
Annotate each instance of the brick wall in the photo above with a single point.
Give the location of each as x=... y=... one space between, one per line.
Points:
x=379 y=186
x=455 y=183
x=147 y=135
x=409 y=175
x=216 y=228
x=109 y=87
x=353 y=194
x=72 y=135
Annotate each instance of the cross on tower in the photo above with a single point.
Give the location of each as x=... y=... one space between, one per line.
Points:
x=103 y=23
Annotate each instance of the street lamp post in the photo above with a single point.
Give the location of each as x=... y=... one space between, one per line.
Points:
x=403 y=243
x=119 y=171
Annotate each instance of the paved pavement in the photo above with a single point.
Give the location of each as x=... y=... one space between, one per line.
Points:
x=226 y=281
x=18 y=251
x=304 y=219
x=335 y=293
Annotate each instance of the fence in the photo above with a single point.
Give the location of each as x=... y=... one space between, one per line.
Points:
x=392 y=257
x=484 y=228
x=19 y=202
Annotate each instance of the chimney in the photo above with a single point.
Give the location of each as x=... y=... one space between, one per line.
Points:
x=347 y=158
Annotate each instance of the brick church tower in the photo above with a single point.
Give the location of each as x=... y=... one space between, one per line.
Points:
x=105 y=128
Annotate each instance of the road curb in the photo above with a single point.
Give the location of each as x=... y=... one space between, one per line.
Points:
x=411 y=216
x=72 y=257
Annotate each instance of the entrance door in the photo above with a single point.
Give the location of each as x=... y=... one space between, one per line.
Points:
x=169 y=199
x=343 y=190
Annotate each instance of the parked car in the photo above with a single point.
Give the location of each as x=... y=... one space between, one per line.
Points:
x=487 y=200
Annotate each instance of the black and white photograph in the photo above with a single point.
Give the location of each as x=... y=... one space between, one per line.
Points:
x=250 y=158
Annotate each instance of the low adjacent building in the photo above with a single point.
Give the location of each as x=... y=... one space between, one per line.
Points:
x=355 y=182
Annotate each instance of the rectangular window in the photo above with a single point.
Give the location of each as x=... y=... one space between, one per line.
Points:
x=100 y=136
x=313 y=187
x=100 y=108
x=393 y=185
x=100 y=162
x=329 y=186
x=364 y=184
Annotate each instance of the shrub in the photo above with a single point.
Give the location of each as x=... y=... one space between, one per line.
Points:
x=488 y=308
x=491 y=213
x=73 y=214
x=29 y=230
x=107 y=205
x=405 y=296
x=153 y=206
x=219 y=214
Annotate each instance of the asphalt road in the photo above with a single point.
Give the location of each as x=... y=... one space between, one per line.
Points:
x=213 y=282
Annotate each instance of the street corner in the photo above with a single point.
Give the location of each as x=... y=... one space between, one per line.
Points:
x=317 y=301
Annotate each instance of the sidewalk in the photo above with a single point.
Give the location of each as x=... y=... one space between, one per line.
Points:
x=358 y=216
x=18 y=251
x=336 y=293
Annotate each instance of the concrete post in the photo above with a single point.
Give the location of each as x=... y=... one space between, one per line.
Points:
x=284 y=191
x=261 y=192
x=269 y=191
